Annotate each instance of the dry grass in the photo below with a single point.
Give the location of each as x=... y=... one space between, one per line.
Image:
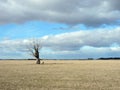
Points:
x=60 y=75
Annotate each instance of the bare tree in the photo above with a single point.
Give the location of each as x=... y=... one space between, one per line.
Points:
x=34 y=48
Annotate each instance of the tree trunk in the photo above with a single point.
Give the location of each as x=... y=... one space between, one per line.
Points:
x=37 y=61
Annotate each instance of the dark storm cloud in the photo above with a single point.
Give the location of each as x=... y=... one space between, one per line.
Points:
x=71 y=12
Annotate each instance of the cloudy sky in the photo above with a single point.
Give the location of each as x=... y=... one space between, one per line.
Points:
x=68 y=29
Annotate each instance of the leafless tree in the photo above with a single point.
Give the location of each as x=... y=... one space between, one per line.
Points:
x=34 y=48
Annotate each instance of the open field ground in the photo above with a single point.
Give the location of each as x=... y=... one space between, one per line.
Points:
x=60 y=75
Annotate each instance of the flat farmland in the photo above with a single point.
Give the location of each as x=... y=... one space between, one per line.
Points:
x=60 y=75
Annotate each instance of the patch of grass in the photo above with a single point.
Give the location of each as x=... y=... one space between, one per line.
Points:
x=60 y=75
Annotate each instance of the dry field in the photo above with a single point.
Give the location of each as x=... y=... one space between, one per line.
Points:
x=60 y=75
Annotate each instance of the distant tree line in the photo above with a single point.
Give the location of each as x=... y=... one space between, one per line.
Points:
x=109 y=58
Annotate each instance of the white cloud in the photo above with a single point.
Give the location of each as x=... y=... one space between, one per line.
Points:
x=88 y=12
x=84 y=43
x=78 y=39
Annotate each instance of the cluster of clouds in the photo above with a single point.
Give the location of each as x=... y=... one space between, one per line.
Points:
x=85 y=44
x=71 y=12
x=78 y=39
x=78 y=44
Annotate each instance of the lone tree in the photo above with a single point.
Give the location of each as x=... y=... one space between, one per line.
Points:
x=34 y=48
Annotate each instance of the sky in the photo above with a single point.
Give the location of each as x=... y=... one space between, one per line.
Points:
x=67 y=29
